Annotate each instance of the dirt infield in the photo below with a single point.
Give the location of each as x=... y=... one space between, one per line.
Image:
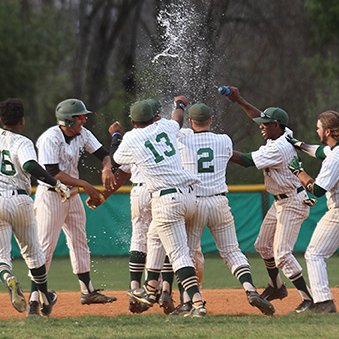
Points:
x=223 y=301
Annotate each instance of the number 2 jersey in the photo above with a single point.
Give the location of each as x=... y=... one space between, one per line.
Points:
x=15 y=149
x=153 y=149
x=206 y=154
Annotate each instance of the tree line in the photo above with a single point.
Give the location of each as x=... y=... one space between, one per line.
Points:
x=110 y=53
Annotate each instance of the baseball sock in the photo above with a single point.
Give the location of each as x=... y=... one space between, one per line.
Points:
x=300 y=283
x=5 y=272
x=136 y=268
x=273 y=273
x=152 y=280
x=243 y=274
x=189 y=281
x=167 y=276
x=39 y=277
x=85 y=283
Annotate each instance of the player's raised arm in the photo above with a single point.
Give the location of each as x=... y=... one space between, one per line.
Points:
x=249 y=109
x=178 y=114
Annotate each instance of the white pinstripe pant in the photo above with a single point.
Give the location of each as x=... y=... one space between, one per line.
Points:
x=215 y=213
x=141 y=216
x=279 y=232
x=167 y=233
x=53 y=215
x=16 y=215
x=323 y=244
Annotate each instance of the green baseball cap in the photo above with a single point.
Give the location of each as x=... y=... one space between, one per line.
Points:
x=199 y=112
x=141 y=111
x=156 y=105
x=272 y=114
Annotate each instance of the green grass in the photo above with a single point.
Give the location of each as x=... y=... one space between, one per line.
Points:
x=158 y=326
x=111 y=273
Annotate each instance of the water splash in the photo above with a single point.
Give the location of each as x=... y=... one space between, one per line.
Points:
x=182 y=63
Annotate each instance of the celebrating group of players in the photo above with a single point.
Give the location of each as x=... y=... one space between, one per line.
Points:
x=178 y=188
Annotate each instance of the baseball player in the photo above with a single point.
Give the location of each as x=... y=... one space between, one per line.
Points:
x=206 y=154
x=59 y=151
x=18 y=161
x=325 y=239
x=141 y=219
x=280 y=228
x=151 y=146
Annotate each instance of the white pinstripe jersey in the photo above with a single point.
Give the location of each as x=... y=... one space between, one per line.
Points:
x=273 y=159
x=206 y=154
x=328 y=177
x=53 y=149
x=15 y=150
x=154 y=151
x=136 y=176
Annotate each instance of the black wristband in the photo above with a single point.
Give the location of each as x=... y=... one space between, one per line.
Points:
x=180 y=105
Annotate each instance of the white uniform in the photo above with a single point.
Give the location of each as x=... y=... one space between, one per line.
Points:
x=206 y=154
x=16 y=206
x=280 y=228
x=153 y=150
x=52 y=214
x=325 y=239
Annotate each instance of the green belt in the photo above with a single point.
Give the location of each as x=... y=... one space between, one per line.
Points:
x=18 y=192
x=137 y=184
x=168 y=191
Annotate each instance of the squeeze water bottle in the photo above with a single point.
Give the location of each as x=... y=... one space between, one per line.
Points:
x=224 y=90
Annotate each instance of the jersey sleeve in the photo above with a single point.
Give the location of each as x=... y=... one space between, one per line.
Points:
x=26 y=152
x=267 y=156
x=92 y=144
x=123 y=155
x=48 y=150
x=329 y=172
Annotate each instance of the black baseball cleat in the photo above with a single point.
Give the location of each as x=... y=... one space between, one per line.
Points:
x=95 y=298
x=144 y=295
x=182 y=309
x=263 y=305
x=47 y=306
x=327 y=306
x=304 y=306
x=198 y=310
x=166 y=302
x=271 y=293
x=33 y=309
x=17 y=297
x=135 y=306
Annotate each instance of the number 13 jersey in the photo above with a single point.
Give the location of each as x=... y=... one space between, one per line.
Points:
x=153 y=149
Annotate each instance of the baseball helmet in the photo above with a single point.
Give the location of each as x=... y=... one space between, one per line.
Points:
x=67 y=110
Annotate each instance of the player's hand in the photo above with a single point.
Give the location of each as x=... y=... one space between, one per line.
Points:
x=94 y=203
x=310 y=202
x=295 y=142
x=234 y=95
x=115 y=127
x=63 y=190
x=181 y=99
x=108 y=179
x=295 y=166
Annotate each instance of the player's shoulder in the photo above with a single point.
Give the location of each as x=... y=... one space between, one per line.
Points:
x=53 y=131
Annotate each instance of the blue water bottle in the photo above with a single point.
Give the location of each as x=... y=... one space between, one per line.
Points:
x=224 y=90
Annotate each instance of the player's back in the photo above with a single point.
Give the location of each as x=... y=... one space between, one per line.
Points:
x=206 y=154
x=16 y=149
x=154 y=151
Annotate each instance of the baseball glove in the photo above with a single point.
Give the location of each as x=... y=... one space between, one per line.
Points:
x=94 y=203
x=63 y=190
x=295 y=142
x=295 y=166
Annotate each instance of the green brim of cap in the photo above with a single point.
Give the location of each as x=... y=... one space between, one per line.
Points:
x=263 y=120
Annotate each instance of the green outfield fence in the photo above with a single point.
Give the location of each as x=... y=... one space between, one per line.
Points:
x=109 y=226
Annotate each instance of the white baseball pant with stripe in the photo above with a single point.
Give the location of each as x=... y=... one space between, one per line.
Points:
x=52 y=216
x=16 y=215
